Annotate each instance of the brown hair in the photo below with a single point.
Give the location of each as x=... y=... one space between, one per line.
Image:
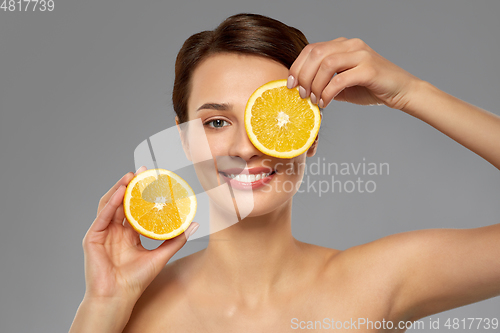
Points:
x=242 y=33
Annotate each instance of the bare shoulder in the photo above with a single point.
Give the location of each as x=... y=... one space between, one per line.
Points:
x=164 y=297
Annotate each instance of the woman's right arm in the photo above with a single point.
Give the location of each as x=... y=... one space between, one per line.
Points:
x=117 y=267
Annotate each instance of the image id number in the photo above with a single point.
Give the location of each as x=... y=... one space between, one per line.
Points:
x=27 y=5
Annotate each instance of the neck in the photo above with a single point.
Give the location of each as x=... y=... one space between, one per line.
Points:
x=254 y=256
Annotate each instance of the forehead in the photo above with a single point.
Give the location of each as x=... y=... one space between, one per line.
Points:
x=231 y=78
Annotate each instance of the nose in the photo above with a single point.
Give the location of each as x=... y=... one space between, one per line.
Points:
x=242 y=147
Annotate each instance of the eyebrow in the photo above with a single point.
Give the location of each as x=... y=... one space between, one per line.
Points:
x=214 y=106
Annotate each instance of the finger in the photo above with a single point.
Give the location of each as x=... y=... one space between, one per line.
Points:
x=105 y=198
x=297 y=66
x=168 y=248
x=141 y=169
x=132 y=233
x=107 y=213
x=311 y=64
x=126 y=224
x=335 y=63
x=125 y=180
x=358 y=76
x=299 y=62
x=119 y=215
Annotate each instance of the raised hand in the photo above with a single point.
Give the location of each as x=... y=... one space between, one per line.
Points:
x=349 y=70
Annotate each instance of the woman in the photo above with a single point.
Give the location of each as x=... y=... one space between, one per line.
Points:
x=261 y=278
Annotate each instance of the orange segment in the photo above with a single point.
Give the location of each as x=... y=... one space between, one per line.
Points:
x=280 y=123
x=159 y=204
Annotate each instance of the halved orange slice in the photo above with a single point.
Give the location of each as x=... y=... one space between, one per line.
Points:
x=278 y=122
x=159 y=204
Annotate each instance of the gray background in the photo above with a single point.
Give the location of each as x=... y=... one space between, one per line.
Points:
x=82 y=86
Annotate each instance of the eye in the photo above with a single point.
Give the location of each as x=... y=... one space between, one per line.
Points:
x=216 y=123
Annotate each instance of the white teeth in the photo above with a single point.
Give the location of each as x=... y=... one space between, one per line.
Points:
x=248 y=178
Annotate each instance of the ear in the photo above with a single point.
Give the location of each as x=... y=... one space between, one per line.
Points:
x=184 y=141
x=312 y=150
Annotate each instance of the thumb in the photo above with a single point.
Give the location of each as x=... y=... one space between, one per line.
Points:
x=168 y=248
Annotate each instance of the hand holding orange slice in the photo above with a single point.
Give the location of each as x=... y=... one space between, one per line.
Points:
x=159 y=204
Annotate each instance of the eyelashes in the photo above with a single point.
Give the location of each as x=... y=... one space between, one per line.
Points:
x=216 y=123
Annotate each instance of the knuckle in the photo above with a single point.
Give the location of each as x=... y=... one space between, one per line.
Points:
x=329 y=63
x=317 y=52
x=365 y=54
x=338 y=79
x=357 y=43
x=308 y=48
x=84 y=242
x=302 y=80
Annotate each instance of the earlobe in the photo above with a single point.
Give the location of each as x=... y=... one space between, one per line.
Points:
x=312 y=150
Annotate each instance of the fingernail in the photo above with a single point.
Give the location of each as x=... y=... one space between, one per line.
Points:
x=290 y=82
x=313 y=98
x=138 y=169
x=192 y=231
x=302 y=92
x=321 y=104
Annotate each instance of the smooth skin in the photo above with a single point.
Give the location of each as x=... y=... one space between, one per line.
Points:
x=254 y=276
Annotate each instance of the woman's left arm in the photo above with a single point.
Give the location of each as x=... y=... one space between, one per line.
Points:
x=437 y=269
x=472 y=127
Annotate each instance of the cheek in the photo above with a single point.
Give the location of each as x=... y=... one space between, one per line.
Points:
x=294 y=168
x=219 y=143
x=290 y=174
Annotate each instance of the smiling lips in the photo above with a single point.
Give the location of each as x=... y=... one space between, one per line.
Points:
x=247 y=179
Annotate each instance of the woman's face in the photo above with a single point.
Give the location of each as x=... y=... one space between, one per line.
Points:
x=221 y=87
